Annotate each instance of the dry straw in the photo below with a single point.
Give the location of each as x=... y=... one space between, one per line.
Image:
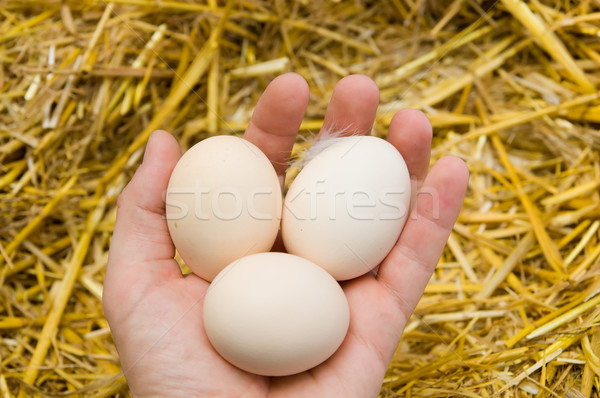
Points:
x=509 y=86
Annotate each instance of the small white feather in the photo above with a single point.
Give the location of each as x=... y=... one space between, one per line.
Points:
x=318 y=144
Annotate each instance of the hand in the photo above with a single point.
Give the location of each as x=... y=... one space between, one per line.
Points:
x=155 y=313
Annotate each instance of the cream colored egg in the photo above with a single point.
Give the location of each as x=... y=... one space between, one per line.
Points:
x=346 y=208
x=223 y=202
x=275 y=314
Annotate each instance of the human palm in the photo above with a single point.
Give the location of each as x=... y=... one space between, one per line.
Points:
x=155 y=313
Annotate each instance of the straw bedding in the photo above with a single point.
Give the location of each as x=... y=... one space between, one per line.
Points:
x=510 y=86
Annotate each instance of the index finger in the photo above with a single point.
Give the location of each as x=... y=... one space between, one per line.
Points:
x=277 y=118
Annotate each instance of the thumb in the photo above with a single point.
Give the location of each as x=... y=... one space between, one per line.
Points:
x=141 y=250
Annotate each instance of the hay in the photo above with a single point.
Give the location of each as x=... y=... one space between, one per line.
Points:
x=509 y=86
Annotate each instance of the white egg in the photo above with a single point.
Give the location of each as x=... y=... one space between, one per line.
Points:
x=275 y=314
x=346 y=208
x=223 y=202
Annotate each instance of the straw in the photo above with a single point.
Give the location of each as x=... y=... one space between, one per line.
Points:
x=509 y=87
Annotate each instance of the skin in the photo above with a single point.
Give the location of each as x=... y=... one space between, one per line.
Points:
x=155 y=313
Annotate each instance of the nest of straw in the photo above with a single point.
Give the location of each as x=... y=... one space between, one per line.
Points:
x=510 y=87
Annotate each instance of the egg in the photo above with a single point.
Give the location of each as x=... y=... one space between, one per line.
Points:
x=275 y=314
x=346 y=208
x=223 y=202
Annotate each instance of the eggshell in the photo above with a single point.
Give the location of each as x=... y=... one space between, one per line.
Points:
x=223 y=202
x=275 y=314
x=346 y=208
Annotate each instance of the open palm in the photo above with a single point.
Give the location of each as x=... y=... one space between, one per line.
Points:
x=155 y=313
